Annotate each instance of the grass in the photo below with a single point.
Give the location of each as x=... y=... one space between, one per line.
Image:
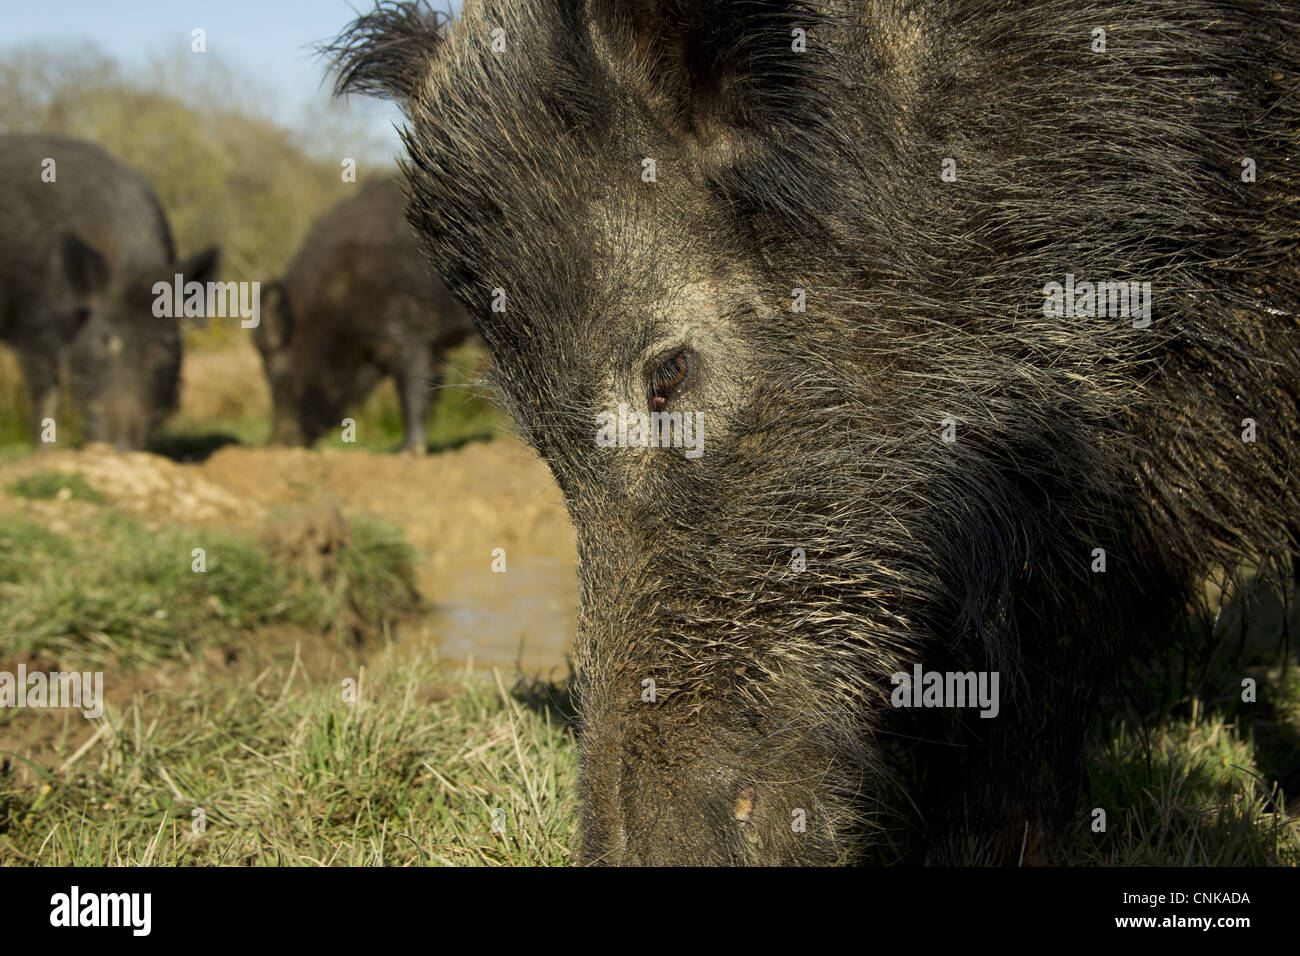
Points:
x=1192 y=792
x=119 y=592
x=376 y=572
x=293 y=774
x=47 y=485
x=14 y=405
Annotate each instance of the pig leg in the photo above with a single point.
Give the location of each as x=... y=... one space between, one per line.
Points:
x=416 y=383
x=41 y=371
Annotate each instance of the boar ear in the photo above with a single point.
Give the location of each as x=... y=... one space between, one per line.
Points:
x=710 y=68
x=83 y=267
x=202 y=267
x=387 y=53
x=276 y=325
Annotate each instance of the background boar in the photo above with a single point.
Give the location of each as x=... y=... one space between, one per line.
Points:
x=831 y=230
x=79 y=257
x=357 y=304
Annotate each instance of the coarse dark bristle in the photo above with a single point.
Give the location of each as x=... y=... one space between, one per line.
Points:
x=925 y=305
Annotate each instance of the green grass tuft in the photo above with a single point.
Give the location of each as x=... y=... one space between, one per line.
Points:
x=48 y=485
x=120 y=591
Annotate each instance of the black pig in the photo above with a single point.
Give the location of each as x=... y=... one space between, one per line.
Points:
x=83 y=242
x=357 y=303
x=987 y=313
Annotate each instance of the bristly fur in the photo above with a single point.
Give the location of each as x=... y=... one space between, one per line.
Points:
x=821 y=171
x=389 y=52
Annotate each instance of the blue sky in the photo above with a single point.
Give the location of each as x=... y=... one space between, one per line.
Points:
x=269 y=41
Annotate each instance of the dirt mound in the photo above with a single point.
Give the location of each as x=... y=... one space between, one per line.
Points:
x=152 y=486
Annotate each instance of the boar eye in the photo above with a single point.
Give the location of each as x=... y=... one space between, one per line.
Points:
x=667 y=377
